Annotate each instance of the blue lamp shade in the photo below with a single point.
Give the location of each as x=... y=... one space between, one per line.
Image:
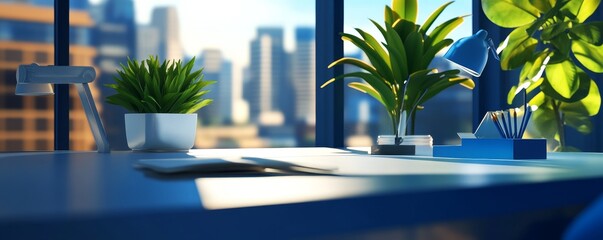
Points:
x=470 y=53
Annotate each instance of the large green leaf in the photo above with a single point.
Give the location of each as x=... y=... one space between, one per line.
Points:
x=518 y=50
x=510 y=13
x=591 y=32
x=552 y=31
x=566 y=82
x=544 y=121
x=441 y=31
x=414 y=51
x=355 y=62
x=380 y=64
x=534 y=68
x=542 y=5
x=406 y=9
x=581 y=123
x=588 y=105
x=590 y=56
x=432 y=17
x=371 y=41
x=587 y=9
x=397 y=54
x=366 y=88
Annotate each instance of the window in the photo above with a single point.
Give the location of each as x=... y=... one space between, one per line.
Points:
x=42 y=124
x=365 y=118
x=14 y=125
x=263 y=64
x=41 y=57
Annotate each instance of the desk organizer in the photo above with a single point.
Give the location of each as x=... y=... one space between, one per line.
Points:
x=494 y=148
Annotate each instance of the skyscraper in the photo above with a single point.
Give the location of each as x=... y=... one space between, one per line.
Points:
x=165 y=19
x=216 y=68
x=26 y=123
x=303 y=75
x=115 y=39
x=268 y=90
x=148 y=41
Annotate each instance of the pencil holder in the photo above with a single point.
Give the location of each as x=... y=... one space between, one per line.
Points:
x=498 y=137
x=494 y=148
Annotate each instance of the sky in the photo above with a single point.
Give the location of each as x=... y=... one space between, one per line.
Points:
x=231 y=25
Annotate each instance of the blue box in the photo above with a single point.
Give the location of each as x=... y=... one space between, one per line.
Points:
x=494 y=148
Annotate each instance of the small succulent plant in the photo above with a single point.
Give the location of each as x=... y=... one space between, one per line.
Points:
x=150 y=87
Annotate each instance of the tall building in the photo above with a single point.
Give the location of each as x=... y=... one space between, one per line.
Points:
x=303 y=69
x=26 y=123
x=165 y=19
x=115 y=40
x=148 y=41
x=216 y=68
x=268 y=91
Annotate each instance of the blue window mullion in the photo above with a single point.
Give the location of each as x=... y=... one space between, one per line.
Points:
x=61 y=58
x=329 y=47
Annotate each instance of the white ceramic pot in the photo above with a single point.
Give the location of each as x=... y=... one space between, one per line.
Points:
x=160 y=131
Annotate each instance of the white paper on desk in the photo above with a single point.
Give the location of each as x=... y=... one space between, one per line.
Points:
x=208 y=165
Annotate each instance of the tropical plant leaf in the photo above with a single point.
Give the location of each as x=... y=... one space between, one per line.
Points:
x=520 y=47
x=372 y=42
x=441 y=31
x=397 y=54
x=378 y=63
x=414 y=51
x=510 y=13
x=581 y=123
x=580 y=9
x=588 y=106
x=590 y=32
x=406 y=9
x=590 y=56
x=542 y=5
x=432 y=17
x=366 y=88
x=566 y=82
x=544 y=121
x=554 y=30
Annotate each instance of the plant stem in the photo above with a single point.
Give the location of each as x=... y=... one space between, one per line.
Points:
x=413 y=117
x=559 y=122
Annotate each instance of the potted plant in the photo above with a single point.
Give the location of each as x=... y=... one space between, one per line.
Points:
x=163 y=99
x=555 y=49
x=398 y=74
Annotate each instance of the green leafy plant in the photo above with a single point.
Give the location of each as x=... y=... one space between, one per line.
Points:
x=397 y=73
x=555 y=48
x=151 y=87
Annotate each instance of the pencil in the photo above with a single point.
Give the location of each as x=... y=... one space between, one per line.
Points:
x=497 y=124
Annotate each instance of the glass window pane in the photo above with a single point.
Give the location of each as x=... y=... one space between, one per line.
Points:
x=24 y=39
x=82 y=52
x=261 y=54
x=365 y=118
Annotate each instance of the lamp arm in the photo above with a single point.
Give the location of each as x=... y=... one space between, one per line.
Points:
x=33 y=73
x=96 y=126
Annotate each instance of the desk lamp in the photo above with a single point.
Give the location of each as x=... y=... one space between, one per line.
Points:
x=471 y=53
x=35 y=80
